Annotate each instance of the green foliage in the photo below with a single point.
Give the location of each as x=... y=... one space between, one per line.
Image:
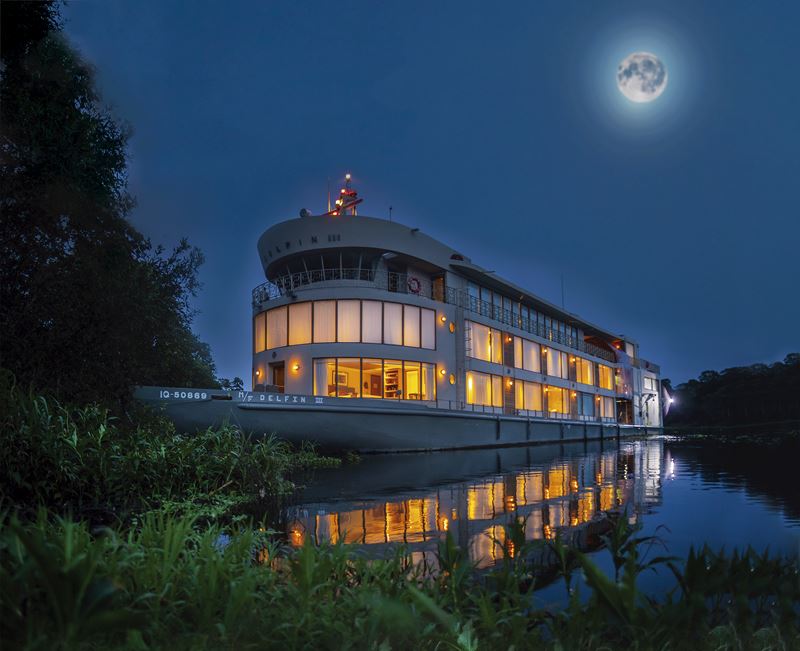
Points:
x=88 y=307
x=747 y=394
x=83 y=460
x=167 y=583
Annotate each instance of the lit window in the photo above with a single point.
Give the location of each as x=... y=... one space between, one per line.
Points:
x=372 y=378
x=411 y=326
x=371 y=322
x=325 y=377
x=557 y=400
x=479 y=388
x=412 y=382
x=429 y=329
x=392 y=379
x=259 y=332
x=348 y=321
x=393 y=324
x=276 y=327
x=324 y=321
x=531 y=356
x=604 y=375
x=533 y=396
x=428 y=381
x=497 y=391
x=584 y=371
x=299 y=323
x=348 y=377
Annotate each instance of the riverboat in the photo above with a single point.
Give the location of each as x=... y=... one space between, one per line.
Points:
x=370 y=335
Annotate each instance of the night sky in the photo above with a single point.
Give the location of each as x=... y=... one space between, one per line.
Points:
x=494 y=127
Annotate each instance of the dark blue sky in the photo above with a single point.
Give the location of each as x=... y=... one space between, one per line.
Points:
x=496 y=128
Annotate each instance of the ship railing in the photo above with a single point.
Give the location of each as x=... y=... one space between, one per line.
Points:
x=647 y=366
x=391 y=281
x=473 y=304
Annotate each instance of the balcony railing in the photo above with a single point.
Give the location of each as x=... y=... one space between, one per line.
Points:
x=507 y=317
x=410 y=284
x=386 y=280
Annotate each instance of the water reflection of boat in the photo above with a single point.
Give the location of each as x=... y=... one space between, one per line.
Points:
x=415 y=499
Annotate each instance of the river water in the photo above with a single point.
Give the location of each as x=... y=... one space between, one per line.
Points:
x=721 y=492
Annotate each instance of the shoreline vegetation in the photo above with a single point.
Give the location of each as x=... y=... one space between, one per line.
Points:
x=114 y=535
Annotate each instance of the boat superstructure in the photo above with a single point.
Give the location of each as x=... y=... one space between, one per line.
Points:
x=369 y=333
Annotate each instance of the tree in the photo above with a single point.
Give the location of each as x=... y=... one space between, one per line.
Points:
x=88 y=307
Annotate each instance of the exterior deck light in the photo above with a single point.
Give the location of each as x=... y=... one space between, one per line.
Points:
x=295 y=367
x=443 y=318
x=511 y=383
x=258 y=373
x=347 y=176
x=452 y=379
x=443 y=372
x=452 y=327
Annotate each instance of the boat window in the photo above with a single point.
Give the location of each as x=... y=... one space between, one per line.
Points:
x=428 y=386
x=497 y=391
x=411 y=326
x=392 y=379
x=276 y=327
x=604 y=376
x=412 y=381
x=348 y=377
x=325 y=377
x=531 y=356
x=371 y=378
x=586 y=407
x=371 y=322
x=428 y=329
x=324 y=321
x=486 y=343
x=557 y=400
x=299 y=323
x=479 y=388
x=584 y=371
x=393 y=323
x=533 y=396
x=349 y=321
x=259 y=332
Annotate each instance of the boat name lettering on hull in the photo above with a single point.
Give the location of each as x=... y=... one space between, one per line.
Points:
x=183 y=395
x=280 y=398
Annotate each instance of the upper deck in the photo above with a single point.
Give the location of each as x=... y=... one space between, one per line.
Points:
x=359 y=251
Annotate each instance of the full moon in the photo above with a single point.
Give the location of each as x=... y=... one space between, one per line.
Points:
x=641 y=77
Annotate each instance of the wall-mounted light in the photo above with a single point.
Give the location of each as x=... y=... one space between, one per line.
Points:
x=452 y=379
x=452 y=327
x=508 y=339
x=443 y=372
x=258 y=373
x=443 y=318
x=511 y=383
x=295 y=367
x=574 y=395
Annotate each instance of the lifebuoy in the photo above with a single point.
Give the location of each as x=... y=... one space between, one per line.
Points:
x=414 y=286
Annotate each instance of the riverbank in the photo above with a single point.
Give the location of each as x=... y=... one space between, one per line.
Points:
x=134 y=537
x=164 y=583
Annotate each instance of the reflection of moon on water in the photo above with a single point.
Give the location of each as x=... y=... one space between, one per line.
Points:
x=641 y=77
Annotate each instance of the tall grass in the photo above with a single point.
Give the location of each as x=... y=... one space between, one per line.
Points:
x=166 y=583
x=83 y=460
